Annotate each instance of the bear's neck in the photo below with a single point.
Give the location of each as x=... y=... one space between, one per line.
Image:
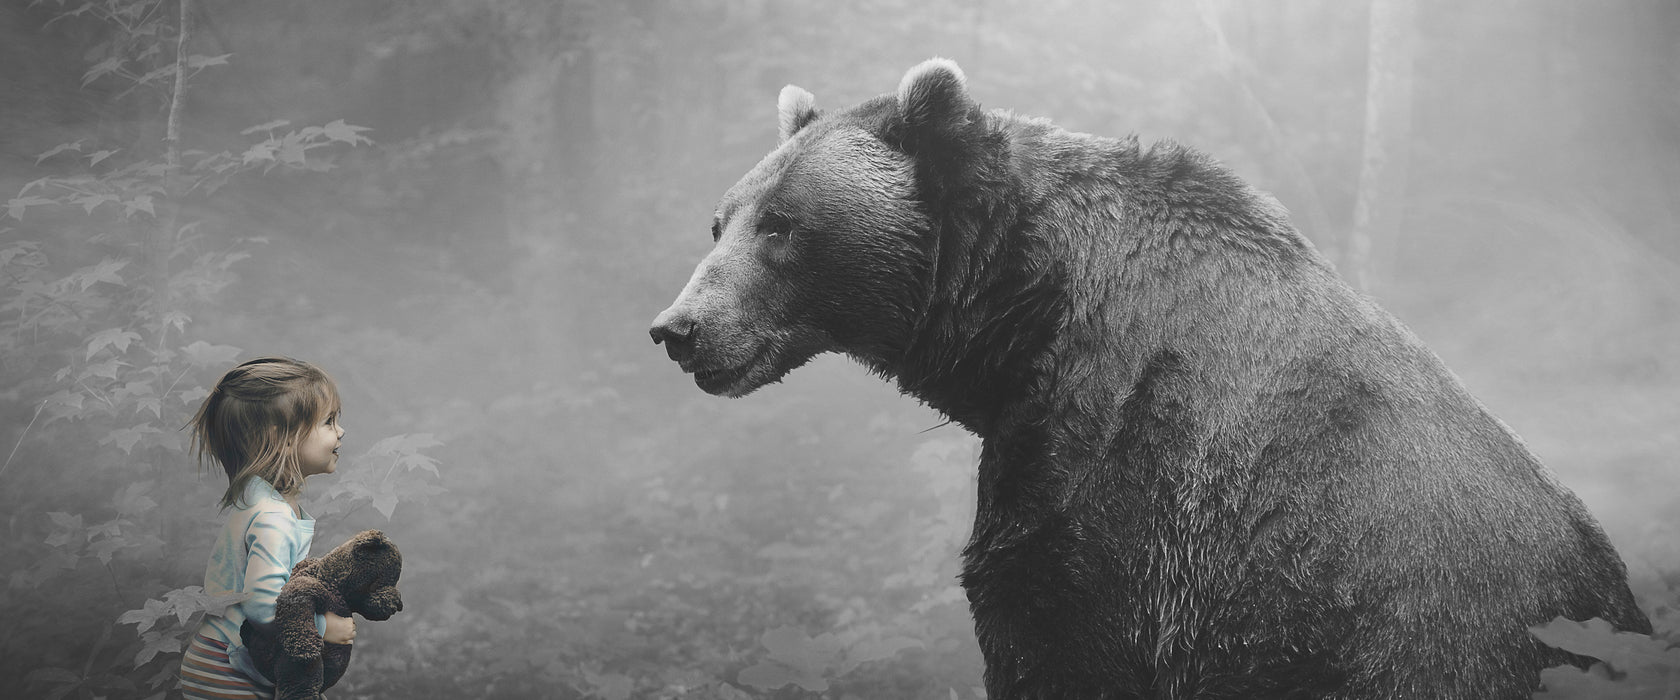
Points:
x=1054 y=293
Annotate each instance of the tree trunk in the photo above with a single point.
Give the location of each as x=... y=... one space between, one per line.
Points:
x=545 y=112
x=1380 y=208
x=160 y=242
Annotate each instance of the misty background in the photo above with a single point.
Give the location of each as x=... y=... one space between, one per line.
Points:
x=468 y=213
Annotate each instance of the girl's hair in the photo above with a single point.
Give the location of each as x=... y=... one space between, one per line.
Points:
x=254 y=419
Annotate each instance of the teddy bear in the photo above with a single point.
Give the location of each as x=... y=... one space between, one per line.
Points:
x=359 y=576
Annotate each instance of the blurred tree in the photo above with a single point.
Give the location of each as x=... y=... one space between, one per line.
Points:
x=545 y=110
x=1379 y=210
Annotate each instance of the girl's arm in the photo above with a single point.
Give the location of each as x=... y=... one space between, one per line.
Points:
x=269 y=544
x=268 y=547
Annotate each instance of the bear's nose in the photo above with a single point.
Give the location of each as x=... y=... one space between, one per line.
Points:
x=676 y=331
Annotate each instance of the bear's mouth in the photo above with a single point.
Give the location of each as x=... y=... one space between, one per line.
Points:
x=718 y=381
x=732 y=380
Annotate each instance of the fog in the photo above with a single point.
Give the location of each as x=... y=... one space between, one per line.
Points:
x=535 y=181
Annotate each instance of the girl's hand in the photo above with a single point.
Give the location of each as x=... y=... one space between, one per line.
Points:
x=340 y=630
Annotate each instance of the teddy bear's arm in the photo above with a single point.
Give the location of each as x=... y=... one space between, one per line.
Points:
x=303 y=598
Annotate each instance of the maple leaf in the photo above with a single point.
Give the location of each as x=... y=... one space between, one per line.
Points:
x=55 y=150
x=105 y=271
x=140 y=203
x=266 y=126
x=197 y=61
x=337 y=130
x=108 y=338
x=15 y=207
x=202 y=354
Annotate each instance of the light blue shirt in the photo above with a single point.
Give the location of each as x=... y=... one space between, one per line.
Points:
x=259 y=544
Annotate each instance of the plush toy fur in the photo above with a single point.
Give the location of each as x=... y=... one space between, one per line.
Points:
x=359 y=576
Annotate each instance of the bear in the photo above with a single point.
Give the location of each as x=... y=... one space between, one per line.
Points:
x=359 y=576
x=1209 y=467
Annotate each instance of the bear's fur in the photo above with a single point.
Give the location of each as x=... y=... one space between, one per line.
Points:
x=359 y=576
x=1210 y=468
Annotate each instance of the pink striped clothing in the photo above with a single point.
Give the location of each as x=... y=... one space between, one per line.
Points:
x=207 y=675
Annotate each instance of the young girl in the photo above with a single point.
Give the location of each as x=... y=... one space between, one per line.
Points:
x=271 y=423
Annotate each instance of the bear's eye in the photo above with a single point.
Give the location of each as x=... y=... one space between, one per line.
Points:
x=775 y=225
x=717 y=231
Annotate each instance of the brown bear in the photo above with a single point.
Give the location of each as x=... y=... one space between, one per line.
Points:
x=1210 y=468
x=359 y=576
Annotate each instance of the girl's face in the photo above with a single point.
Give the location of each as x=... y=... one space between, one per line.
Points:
x=318 y=452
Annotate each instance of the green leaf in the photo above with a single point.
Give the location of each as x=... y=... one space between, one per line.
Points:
x=337 y=130
x=96 y=156
x=140 y=203
x=187 y=601
x=133 y=500
x=406 y=443
x=202 y=354
x=385 y=503
x=155 y=73
x=794 y=658
x=55 y=150
x=192 y=396
x=771 y=675
x=15 y=207
x=260 y=152
x=420 y=461
x=91 y=201
x=126 y=438
x=155 y=643
x=876 y=650
x=292 y=151
x=196 y=61
x=1600 y=640
x=110 y=337
x=1633 y=665
x=609 y=686
x=266 y=126
x=106 y=548
x=65 y=679
x=177 y=319
x=66 y=520
x=146 y=616
x=105 y=271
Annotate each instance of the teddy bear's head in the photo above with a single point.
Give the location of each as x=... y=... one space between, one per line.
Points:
x=365 y=571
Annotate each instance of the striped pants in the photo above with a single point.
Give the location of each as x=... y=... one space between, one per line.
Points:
x=207 y=675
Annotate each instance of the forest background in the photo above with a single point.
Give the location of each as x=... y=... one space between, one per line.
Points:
x=468 y=212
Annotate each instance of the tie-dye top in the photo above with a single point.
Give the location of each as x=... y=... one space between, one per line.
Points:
x=254 y=554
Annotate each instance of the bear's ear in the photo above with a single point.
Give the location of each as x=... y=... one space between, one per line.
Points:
x=795 y=108
x=371 y=540
x=934 y=95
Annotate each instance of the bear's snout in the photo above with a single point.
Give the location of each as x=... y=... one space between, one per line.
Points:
x=675 y=330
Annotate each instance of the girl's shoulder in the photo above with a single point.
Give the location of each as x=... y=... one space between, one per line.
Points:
x=260 y=497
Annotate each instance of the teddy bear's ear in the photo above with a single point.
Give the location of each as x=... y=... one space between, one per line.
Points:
x=372 y=540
